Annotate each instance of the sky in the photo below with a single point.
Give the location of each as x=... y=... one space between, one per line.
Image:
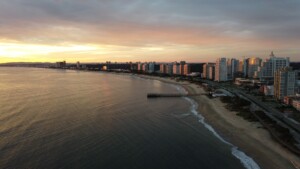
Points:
x=147 y=30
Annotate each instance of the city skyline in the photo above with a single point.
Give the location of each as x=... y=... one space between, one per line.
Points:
x=132 y=30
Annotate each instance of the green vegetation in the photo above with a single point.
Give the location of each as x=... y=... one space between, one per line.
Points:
x=279 y=133
x=239 y=105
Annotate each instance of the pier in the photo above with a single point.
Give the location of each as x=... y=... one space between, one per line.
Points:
x=155 y=95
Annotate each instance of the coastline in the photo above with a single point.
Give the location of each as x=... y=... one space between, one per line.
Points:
x=249 y=137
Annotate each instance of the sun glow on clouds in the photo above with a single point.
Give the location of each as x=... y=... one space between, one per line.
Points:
x=12 y=50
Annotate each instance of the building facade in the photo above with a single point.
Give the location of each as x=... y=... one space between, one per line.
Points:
x=253 y=67
x=269 y=66
x=221 y=70
x=206 y=67
x=284 y=82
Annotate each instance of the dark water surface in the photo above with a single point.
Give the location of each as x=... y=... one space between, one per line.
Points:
x=51 y=119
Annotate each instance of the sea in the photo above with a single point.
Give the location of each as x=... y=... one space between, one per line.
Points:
x=67 y=119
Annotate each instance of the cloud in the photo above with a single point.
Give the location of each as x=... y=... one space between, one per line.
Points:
x=237 y=24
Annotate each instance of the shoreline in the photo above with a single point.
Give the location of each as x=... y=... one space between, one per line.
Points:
x=249 y=137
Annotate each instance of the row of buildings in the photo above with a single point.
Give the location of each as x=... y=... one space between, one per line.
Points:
x=174 y=68
x=225 y=69
x=274 y=75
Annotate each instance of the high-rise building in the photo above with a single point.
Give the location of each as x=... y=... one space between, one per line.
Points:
x=163 y=68
x=145 y=67
x=211 y=74
x=253 y=67
x=269 y=66
x=241 y=66
x=152 y=67
x=140 y=66
x=206 y=67
x=181 y=67
x=245 y=67
x=176 y=68
x=284 y=82
x=221 y=70
x=169 y=68
x=186 y=69
x=232 y=68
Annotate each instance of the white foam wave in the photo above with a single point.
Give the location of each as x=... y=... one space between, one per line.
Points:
x=247 y=161
x=179 y=88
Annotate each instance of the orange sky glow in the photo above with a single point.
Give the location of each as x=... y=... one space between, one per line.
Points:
x=132 y=30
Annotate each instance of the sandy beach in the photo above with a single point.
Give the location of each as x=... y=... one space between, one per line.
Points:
x=249 y=137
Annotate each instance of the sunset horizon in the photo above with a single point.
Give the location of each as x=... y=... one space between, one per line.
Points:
x=162 y=31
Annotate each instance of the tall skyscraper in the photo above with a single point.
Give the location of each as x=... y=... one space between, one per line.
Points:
x=211 y=74
x=284 y=82
x=253 y=67
x=269 y=67
x=206 y=67
x=232 y=68
x=221 y=70
x=163 y=68
x=181 y=67
x=176 y=68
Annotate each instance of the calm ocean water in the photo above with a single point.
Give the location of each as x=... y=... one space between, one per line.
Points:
x=52 y=119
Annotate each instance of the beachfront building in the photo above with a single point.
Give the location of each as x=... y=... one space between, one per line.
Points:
x=186 y=69
x=232 y=68
x=176 y=68
x=206 y=67
x=192 y=68
x=62 y=64
x=181 y=67
x=145 y=67
x=211 y=74
x=244 y=67
x=140 y=66
x=153 y=67
x=253 y=67
x=270 y=65
x=284 y=82
x=169 y=69
x=221 y=70
x=163 y=68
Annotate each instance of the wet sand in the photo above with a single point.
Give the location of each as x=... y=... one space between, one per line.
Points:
x=255 y=141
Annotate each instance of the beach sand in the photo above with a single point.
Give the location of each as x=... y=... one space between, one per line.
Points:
x=249 y=137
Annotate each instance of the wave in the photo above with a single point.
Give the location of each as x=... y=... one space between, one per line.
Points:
x=179 y=88
x=247 y=161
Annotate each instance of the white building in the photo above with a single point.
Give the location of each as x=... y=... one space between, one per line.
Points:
x=221 y=70
x=151 y=67
x=269 y=66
